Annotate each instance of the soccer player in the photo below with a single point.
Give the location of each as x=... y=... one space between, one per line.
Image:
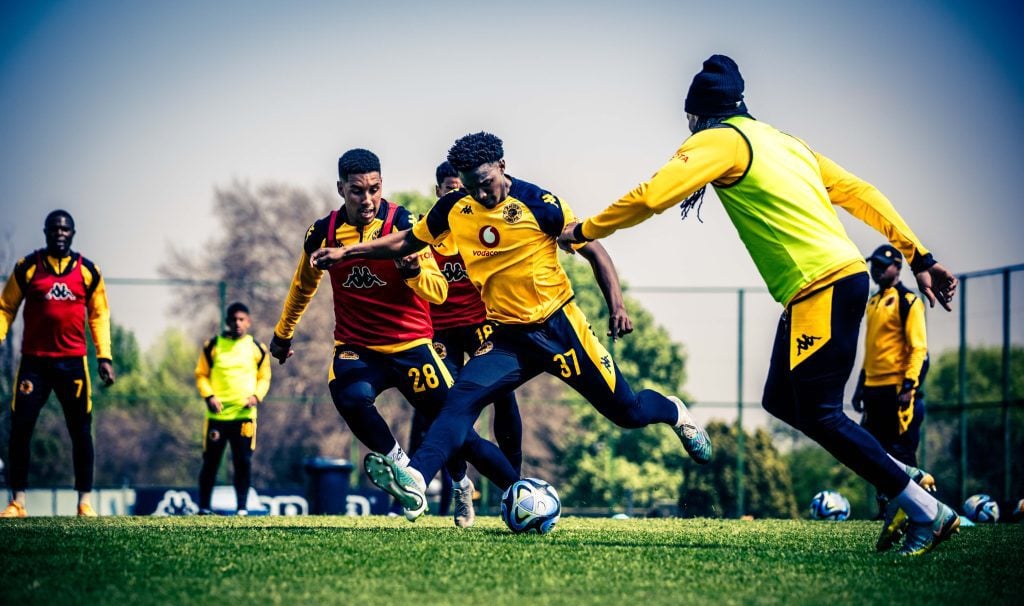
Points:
x=780 y=195
x=63 y=291
x=233 y=376
x=505 y=230
x=382 y=330
x=458 y=325
x=895 y=361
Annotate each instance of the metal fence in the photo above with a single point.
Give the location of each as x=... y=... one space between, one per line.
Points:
x=727 y=334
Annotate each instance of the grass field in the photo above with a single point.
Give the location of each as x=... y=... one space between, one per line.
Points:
x=377 y=560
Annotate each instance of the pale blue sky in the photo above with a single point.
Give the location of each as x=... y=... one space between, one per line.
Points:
x=128 y=114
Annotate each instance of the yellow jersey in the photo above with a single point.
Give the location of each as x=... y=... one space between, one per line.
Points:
x=510 y=251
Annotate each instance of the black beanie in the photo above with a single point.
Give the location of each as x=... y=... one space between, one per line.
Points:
x=717 y=90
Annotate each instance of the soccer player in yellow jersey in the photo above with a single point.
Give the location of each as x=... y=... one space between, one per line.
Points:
x=63 y=291
x=233 y=376
x=895 y=360
x=888 y=390
x=382 y=328
x=780 y=195
x=505 y=230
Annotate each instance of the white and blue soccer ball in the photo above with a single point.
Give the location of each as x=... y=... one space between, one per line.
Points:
x=530 y=505
x=982 y=509
x=830 y=505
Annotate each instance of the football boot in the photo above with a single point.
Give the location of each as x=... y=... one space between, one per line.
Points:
x=463 y=498
x=694 y=438
x=397 y=482
x=923 y=537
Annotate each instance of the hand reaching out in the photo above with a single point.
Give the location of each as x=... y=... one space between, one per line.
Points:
x=938 y=284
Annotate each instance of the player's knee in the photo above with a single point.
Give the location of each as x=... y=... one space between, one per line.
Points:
x=352 y=397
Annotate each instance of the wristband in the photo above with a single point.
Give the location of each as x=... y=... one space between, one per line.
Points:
x=921 y=262
x=577 y=234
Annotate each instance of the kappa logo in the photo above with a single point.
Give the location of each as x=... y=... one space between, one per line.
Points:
x=485 y=347
x=362 y=277
x=347 y=355
x=454 y=272
x=606 y=361
x=550 y=199
x=25 y=387
x=805 y=342
x=512 y=213
x=440 y=349
x=467 y=210
x=60 y=292
x=489 y=236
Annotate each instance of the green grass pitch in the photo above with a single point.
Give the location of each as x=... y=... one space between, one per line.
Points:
x=378 y=560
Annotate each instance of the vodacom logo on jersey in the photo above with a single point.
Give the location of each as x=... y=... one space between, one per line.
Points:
x=489 y=236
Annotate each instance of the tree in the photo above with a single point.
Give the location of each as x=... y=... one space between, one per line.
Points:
x=255 y=255
x=604 y=465
x=985 y=421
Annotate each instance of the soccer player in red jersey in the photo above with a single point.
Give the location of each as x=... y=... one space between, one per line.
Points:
x=382 y=332
x=506 y=229
x=63 y=291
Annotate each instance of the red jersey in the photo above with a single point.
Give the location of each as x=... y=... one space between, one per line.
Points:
x=55 y=306
x=372 y=303
x=464 y=307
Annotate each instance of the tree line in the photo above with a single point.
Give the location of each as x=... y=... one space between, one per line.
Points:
x=148 y=425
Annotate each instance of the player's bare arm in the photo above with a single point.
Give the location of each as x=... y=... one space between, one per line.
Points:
x=392 y=246
x=619 y=322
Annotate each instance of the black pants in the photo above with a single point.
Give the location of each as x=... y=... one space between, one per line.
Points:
x=881 y=419
x=217 y=435
x=815 y=346
x=69 y=379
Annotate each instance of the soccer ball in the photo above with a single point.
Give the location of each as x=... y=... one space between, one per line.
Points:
x=982 y=509
x=530 y=505
x=830 y=505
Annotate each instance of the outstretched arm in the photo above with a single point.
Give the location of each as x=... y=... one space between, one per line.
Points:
x=619 y=323
x=864 y=201
x=392 y=246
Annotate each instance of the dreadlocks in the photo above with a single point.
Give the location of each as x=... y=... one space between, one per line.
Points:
x=696 y=199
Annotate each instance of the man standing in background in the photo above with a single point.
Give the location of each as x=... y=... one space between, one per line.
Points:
x=233 y=376
x=895 y=362
x=62 y=291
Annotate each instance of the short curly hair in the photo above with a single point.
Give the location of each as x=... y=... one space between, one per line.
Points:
x=357 y=162
x=475 y=150
x=50 y=218
x=445 y=170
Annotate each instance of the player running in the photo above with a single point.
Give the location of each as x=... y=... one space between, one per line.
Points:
x=382 y=330
x=458 y=332
x=780 y=195
x=505 y=230
x=63 y=291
